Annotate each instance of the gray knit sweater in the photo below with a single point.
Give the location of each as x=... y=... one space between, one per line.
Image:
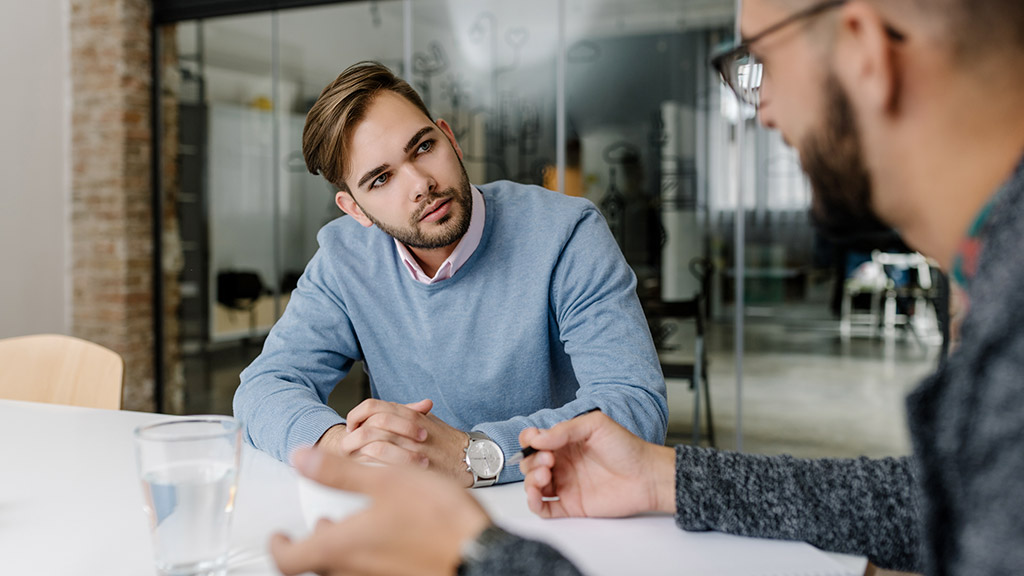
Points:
x=955 y=509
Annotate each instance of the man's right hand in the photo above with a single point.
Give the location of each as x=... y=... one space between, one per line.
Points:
x=385 y=438
x=596 y=468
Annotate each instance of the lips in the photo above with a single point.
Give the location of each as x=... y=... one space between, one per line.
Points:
x=436 y=210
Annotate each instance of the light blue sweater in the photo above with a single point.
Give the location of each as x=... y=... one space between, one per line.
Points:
x=540 y=324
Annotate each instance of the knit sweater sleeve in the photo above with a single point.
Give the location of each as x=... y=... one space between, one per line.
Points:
x=858 y=506
x=282 y=398
x=519 y=556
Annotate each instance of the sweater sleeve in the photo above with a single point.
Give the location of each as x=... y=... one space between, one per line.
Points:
x=518 y=556
x=861 y=506
x=976 y=523
x=604 y=332
x=282 y=398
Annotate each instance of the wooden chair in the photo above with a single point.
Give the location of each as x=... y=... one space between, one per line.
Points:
x=60 y=370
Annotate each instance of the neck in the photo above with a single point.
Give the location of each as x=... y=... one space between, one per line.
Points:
x=431 y=259
x=967 y=148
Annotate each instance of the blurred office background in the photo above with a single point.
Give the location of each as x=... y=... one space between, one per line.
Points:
x=607 y=99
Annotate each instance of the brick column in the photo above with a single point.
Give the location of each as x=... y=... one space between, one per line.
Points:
x=173 y=258
x=111 y=203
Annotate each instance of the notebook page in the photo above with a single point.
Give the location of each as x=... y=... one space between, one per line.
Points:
x=654 y=546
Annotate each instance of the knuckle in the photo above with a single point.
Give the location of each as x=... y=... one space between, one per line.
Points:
x=375 y=449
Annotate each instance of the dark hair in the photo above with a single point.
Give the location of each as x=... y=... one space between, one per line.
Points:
x=339 y=109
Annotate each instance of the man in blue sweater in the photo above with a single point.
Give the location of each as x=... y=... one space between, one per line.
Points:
x=478 y=311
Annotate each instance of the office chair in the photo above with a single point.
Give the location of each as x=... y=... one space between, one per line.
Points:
x=696 y=373
x=59 y=369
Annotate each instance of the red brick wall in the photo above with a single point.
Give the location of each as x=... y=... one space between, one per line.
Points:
x=111 y=139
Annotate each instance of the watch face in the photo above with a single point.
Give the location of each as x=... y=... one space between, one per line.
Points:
x=485 y=458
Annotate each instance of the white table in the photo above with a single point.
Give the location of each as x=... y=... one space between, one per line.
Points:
x=70 y=503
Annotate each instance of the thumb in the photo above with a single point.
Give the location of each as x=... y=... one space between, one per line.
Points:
x=573 y=431
x=338 y=471
x=423 y=406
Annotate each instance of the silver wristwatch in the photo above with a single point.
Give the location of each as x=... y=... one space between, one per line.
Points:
x=484 y=459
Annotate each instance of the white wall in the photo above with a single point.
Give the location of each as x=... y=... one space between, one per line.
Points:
x=34 y=168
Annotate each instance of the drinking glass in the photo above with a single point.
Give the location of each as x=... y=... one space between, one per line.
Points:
x=189 y=473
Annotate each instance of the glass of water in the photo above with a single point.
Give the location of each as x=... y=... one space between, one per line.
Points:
x=189 y=473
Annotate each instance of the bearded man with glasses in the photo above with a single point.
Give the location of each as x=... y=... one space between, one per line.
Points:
x=906 y=115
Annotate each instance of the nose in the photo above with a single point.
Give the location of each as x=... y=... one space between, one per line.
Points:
x=421 y=183
x=765 y=112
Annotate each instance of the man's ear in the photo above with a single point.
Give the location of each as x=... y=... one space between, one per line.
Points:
x=866 y=59
x=348 y=205
x=450 y=135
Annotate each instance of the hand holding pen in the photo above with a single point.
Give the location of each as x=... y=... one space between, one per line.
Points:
x=592 y=467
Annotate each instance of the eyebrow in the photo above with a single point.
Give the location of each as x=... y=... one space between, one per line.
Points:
x=372 y=174
x=416 y=138
x=383 y=167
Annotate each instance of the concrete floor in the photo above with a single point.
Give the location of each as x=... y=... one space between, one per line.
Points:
x=805 y=392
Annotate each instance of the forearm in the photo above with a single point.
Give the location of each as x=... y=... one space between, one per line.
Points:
x=279 y=417
x=854 y=506
x=282 y=397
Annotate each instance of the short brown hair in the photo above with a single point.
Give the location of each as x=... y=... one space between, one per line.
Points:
x=339 y=109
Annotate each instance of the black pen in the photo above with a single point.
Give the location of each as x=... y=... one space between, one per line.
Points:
x=530 y=450
x=520 y=456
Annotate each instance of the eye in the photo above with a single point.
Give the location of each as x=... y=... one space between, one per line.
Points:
x=380 y=181
x=425 y=146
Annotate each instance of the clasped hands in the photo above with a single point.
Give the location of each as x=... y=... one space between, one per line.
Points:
x=418 y=521
x=405 y=434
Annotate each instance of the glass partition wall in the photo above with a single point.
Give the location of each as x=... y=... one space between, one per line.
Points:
x=611 y=100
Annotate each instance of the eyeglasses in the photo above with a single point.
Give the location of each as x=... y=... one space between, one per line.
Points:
x=744 y=73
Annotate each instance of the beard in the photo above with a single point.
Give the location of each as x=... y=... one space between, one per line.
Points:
x=453 y=226
x=841 y=186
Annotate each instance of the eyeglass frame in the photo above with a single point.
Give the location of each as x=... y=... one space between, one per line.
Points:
x=723 y=60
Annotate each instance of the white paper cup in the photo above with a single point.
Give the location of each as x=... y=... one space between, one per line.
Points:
x=319 y=501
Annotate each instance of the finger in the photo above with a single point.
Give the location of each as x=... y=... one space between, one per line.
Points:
x=537 y=500
x=573 y=431
x=541 y=479
x=339 y=471
x=397 y=425
x=526 y=435
x=356 y=416
x=293 y=558
x=533 y=499
x=535 y=460
x=423 y=406
x=367 y=408
x=387 y=453
x=360 y=439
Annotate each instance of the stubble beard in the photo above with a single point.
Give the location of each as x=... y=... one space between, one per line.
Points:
x=452 y=226
x=833 y=159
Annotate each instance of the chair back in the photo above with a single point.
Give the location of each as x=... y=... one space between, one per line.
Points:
x=60 y=369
